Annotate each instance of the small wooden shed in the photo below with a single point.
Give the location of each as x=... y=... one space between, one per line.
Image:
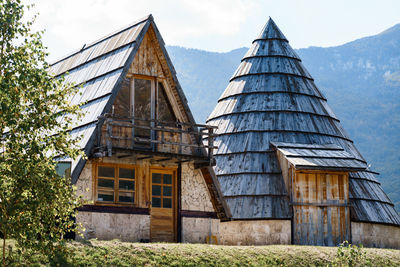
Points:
x=283 y=156
x=317 y=179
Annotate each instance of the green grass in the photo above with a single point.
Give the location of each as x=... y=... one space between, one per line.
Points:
x=116 y=253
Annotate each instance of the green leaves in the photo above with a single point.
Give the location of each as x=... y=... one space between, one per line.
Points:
x=37 y=206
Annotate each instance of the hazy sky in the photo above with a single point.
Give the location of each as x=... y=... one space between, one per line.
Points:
x=214 y=25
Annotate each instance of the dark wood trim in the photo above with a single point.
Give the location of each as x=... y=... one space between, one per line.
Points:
x=267 y=93
x=258 y=195
x=272 y=73
x=276 y=111
x=267 y=56
x=285 y=131
x=199 y=214
x=364 y=179
x=369 y=199
x=270 y=39
x=262 y=219
x=115 y=209
x=179 y=196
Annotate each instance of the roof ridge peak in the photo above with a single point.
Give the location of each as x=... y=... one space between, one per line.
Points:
x=85 y=46
x=271 y=31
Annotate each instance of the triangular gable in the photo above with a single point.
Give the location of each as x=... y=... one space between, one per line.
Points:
x=151 y=60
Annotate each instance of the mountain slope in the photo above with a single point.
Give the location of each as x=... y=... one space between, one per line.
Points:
x=360 y=79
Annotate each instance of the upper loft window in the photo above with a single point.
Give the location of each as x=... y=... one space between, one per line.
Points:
x=164 y=108
x=144 y=99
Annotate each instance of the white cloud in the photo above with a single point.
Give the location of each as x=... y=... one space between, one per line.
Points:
x=216 y=25
x=70 y=24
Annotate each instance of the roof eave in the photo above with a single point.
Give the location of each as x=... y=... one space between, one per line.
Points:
x=328 y=168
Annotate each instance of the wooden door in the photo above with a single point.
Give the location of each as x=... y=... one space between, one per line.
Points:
x=321 y=214
x=163 y=206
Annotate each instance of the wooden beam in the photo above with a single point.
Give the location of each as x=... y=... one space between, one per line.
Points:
x=114 y=209
x=159 y=160
x=147 y=157
x=125 y=156
x=199 y=214
x=183 y=161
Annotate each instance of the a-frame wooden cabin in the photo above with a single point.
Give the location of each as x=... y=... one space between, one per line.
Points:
x=288 y=170
x=148 y=173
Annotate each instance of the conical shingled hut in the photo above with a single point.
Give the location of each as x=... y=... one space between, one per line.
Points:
x=284 y=159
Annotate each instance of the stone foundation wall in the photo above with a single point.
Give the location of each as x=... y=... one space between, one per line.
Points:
x=196 y=230
x=375 y=235
x=107 y=226
x=84 y=185
x=195 y=194
x=257 y=232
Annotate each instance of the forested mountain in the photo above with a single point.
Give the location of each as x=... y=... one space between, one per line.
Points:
x=361 y=80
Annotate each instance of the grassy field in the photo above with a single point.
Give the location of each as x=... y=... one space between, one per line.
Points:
x=116 y=253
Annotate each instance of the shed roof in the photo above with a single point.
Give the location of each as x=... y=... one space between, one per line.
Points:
x=319 y=157
x=271 y=97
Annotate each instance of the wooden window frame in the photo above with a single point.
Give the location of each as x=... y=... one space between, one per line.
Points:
x=163 y=171
x=116 y=180
x=153 y=93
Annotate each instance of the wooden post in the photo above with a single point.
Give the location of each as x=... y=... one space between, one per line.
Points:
x=133 y=133
x=179 y=208
x=210 y=144
x=180 y=141
x=108 y=137
x=99 y=132
x=161 y=146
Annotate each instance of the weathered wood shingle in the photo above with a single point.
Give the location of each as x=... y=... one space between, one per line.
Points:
x=271 y=97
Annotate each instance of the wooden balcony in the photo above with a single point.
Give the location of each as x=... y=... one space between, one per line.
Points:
x=163 y=140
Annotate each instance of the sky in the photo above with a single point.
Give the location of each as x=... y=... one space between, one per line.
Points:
x=213 y=25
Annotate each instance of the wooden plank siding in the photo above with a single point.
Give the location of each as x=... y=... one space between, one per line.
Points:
x=321 y=214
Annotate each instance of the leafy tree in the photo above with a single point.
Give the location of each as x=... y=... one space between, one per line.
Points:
x=36 y=204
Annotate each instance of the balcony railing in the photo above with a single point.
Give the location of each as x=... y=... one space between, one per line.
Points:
x=154 y=137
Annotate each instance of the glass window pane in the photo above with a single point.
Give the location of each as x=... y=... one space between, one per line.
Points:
x=106 y=171
x=142 y=105
x=167 y=179
x=156 y=202
x=156 y=178
x=126 y=173
x=167 y=191
x=167 y=203
x=105 y=183
x=127 y=185
x=105 y=196
x=127 y=197
x=156 y=190
x=64 y=169
x=164 y=108
x=122 y=103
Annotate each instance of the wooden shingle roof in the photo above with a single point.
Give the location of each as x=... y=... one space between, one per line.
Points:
x=271 y=97
x=319 y=157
